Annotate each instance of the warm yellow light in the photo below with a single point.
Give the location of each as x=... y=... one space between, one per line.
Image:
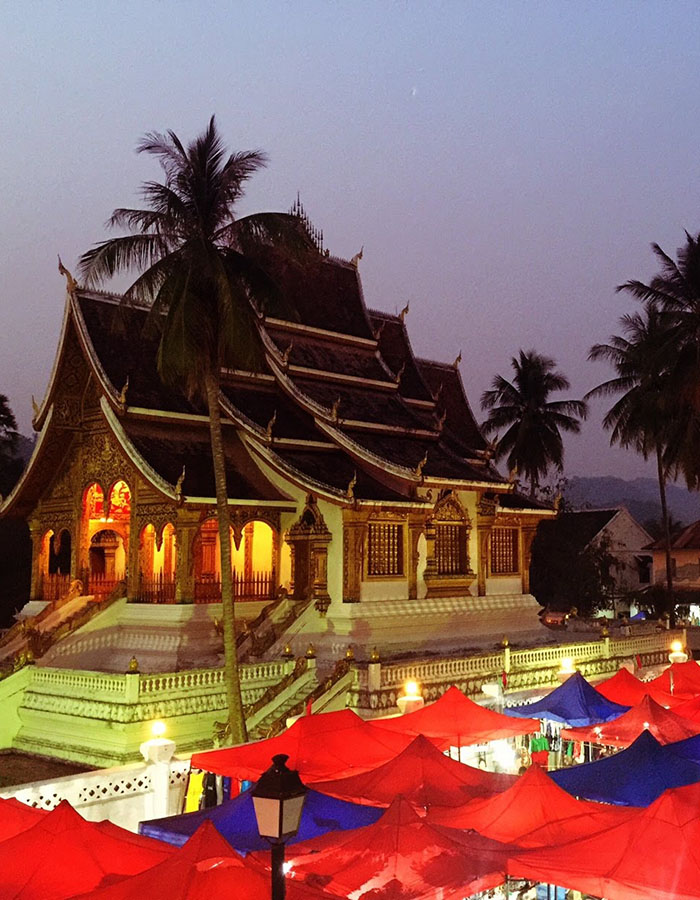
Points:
x=158 y=729
x=676 y=646
x=567 y=664
x=411 y=689
x=646 y=724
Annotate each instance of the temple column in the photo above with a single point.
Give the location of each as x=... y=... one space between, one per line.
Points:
x=430 y=561
x=354 y=527
x=133 y=567
x=186 y=527
x=485 y=517
x=35 y=535
x=527 y=536
x=319 y=572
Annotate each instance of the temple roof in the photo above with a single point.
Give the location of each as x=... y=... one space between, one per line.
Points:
x=340 y=398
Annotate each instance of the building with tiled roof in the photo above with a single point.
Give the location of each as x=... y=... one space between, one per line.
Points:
x=357 y=476
x=685 y=560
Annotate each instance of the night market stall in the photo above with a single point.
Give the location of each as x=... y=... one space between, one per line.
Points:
x=573 y=703
x=625 y=688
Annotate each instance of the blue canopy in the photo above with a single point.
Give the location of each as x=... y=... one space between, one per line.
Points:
x=235 y=820
x=633 y=777
x=574 y=703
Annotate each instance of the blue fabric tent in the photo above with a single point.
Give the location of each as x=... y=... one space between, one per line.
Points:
x=575 y=703
x=235 y=820
x=633 y=777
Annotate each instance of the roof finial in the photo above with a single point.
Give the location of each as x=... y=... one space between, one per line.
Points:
x=271 y=425
x=35 y=408
x=442 y=419
x=71 y=283
x=399 y=374
x=285 y=354
x=350 y=491
x=179 y=483
x=335 y=408
x=404 y=311
x=456 y=363
x=355 y=261
x=513 y=475
x=377 y=332
x=122 y=393
x=421 y=465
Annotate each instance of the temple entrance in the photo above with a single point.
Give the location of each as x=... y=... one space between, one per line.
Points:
x=106 y=562
x=157 y=560
x=55 y=565
x=105 y=529
x=253 y=562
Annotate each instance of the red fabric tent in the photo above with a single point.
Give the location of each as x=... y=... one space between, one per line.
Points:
x=320 y=747
x=626 y=689
x=63 y=855
x=205 y=868
x=16 y=817
x=400 y=857
x=456 y=721
x=534 y=812
x=682 y=680
x=689 y=709
x=666 y=726
x=655 y=854
x=423 y=775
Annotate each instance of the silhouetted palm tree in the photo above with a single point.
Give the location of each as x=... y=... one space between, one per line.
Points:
x=199 y=270
x=638 y=419
x=533 y=422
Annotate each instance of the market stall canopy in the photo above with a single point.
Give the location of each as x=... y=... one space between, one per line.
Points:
x=16 y=817
x=689 y=709
x=534 y=812
x=423 y=775
x=320 y=747
x=574 y=703
x=627 y=689
x=235 y=820
x=63 y=855
x=456 y=721
x=401 y=857
x=682 y=680
x=633 y=777
x=665 y=725
x=655 y=854
x=205 y=868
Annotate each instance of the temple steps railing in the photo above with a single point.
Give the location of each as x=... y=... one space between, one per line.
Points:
x=256 y=586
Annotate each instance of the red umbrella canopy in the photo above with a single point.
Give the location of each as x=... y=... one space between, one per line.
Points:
x=322 y=746
x=423 y=775
x=400 y=857
x=16 y=817
x=63 y=855
x=689 y=709
x=655 y=854
x=666 y=726
x=680 y=679
x=626 y=689
x=205 y=868
x=455 y=720
x=534 y=812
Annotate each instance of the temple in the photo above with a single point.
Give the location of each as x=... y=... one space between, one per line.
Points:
x=362 y=493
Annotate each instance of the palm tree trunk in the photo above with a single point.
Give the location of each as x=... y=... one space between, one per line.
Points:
x=234 y=699
x=670 y=605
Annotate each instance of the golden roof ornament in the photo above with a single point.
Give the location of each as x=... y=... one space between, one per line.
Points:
x=350 y=653
x=404 y=311
x=421 y=465
x=505 y=642
x=378 y=331
x=438 y=392
x=442 y=418
x=513 y=475
x=179 y=483
x=271 y=425
x=374 y=655
x=457 y=361
x=355 y=261
x=71 y=283
x=133 y=666
x=335 y=408
x=287 y=653
x=285 y=355
x=399 y=374
x=122 y=393
x=350 y=491
x=35 y=408
x=311 y=652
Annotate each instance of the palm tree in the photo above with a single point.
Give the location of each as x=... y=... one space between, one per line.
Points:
x=675 y=292
x=638 y=419
x=199 y=270
x=533 y=423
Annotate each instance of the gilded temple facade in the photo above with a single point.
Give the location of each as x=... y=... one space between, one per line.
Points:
x=357 y=475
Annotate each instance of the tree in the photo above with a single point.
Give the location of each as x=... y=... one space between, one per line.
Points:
x=533 y=423
x=638 y=419
x=201 y=270
x=11 y=464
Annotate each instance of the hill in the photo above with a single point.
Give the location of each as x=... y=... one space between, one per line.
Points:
x=640 y=496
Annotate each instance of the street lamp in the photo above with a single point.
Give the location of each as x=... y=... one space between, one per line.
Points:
x=278 y=798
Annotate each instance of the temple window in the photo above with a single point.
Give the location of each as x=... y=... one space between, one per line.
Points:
x=119 y=502
x=385 y=549
x=253 y=562
x=504 y=551
x=451 y=549
x=94 y=503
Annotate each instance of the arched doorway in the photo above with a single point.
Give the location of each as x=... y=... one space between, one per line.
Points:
x=253 y=562
x=55 y=564
x=157 y=561
x=106 y=561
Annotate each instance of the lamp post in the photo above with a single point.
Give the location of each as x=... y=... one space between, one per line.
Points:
x=278 y=799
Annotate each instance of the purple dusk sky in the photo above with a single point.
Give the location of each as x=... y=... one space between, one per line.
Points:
x=504 y=164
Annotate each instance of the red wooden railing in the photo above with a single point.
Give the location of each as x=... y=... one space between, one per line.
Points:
x=259 y=586
x=54 y=587
x=156 y=589
x=98 y=584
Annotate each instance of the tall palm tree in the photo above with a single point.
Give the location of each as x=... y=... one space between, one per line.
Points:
x=675 y=292
x=638 y=419
x=533 y=423
x=199 y=269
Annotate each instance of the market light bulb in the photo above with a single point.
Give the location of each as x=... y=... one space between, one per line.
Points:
x=158 y=729
x=676 y=646
x=411 y=689
x=567 y=664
